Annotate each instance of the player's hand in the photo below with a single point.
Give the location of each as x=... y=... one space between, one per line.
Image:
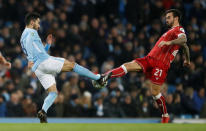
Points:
x=49 y=39
x=162 y=43
x=4 y=62
x=30 y=64
x=8 y=65
x=186 y=63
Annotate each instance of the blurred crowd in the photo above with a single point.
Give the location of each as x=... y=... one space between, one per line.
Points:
x=101 y=35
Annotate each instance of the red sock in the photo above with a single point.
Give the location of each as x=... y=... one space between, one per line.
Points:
x=161 y=104
x=118 y=72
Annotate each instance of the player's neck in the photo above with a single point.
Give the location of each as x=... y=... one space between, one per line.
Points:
x=30 y=27
x=175 y=25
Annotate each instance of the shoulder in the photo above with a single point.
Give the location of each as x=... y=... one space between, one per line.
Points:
x=179 y=29
x=182 y=29
x=30 y=36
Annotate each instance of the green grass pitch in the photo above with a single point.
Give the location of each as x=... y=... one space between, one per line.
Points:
x=102 y=127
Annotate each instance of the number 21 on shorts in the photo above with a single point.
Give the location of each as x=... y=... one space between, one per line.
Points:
x=158 y=72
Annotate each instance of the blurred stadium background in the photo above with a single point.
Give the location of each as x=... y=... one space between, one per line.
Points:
x=100 y=35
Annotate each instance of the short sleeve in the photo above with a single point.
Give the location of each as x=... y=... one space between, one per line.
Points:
x=179 y=32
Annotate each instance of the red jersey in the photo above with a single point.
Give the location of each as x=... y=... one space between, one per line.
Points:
x=166 y=54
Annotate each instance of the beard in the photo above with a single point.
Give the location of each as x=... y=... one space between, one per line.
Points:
x=36 y=27
x=169 y=25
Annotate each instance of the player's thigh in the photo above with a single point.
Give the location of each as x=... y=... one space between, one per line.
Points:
x=68 y=66
x=47 y=80
x=157 y=77
x=155 y=88
x=52 y=65
x=132 y=66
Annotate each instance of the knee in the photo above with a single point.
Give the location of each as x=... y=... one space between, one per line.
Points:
x=132 y=66
x=68 y=66
x=126 y=66
x=55 y=92
x=52 y=89
x=72 y=64
x=155 y=92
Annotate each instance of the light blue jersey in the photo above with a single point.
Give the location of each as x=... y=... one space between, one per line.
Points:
x=33 y=47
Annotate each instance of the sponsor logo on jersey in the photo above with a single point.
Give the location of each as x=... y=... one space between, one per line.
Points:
x=32 y=33
x=181 y=29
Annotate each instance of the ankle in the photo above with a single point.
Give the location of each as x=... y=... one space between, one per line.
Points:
x=156 y=97
x=165 y=115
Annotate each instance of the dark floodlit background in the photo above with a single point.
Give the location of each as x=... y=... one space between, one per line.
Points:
x=101 y=35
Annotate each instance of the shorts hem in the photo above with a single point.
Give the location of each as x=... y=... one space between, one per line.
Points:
x=157 y=83
x=59 y=59
x=47 y=87
x=140 y=65
x=61 y=67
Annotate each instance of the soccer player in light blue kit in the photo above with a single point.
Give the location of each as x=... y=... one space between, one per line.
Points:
x=45 y=66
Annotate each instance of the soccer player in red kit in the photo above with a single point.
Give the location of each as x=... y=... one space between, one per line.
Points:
x=156 y=64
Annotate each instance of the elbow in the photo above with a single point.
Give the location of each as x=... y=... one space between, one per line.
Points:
x=185 y=46
x=185 y=41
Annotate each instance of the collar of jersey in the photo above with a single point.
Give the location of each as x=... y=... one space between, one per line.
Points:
x=30 y=29
x=176 y=26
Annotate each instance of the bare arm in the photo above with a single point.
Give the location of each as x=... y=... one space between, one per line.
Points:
x=179 y=41
x=186 y=51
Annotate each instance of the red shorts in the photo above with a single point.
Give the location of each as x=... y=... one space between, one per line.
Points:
x=154 y=69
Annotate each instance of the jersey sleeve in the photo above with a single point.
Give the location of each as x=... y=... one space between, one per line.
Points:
x=29 y=48
x=179 y=32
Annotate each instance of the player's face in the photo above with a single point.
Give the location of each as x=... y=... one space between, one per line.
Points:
x=169 y=19
x=36 y=24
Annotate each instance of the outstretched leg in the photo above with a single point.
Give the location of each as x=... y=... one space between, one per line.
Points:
x=120 y=71
x=124 y=69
